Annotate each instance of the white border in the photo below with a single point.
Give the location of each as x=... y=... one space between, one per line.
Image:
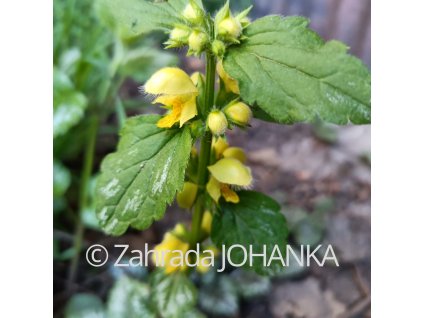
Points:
x=397 y=158
x=26 y=30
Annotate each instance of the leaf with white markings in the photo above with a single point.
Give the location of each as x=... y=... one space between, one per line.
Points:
x=129 y=298
x=142 y=176
x=173 y=295
x=294 y=76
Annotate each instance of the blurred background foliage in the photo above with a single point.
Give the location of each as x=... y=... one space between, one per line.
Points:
x=96 y=79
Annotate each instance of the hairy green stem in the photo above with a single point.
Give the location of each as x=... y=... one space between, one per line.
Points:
x=83 y=195
x=205 y=151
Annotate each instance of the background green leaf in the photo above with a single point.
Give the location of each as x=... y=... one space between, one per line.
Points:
x=294 y=76
x=142 y=177
x=68 y=104
x=84 y=306
x=173 y=295
x=256 y=220
x=131 y=18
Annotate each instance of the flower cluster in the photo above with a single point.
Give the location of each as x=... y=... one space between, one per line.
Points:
x=171 y=253
x=196 y=33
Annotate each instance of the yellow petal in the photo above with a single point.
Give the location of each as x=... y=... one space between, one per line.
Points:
x=195 y=77
x=170 y=81
x=219 y=145
x=231 y=171
x=213 y=188
x=235 y=152
x=206 y=223
x=189 y=110
x=187 y=196
x=228 y=194
x=171 y=118
x=230 y=83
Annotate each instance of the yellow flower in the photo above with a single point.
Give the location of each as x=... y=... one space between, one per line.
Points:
x=226 y=172
x=231 y=85
x=187 y=196
x=235 y=152
x=231 y=171
x=171 y=251
x=176 y=91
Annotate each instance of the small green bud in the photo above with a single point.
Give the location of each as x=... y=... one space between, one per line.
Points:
x=239 y=113
x=218 y=48
x=229 y=28
x=217 y=122
x=197 y=42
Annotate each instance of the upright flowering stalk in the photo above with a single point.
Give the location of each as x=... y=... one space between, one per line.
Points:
x=275 y=69
x=219 y=170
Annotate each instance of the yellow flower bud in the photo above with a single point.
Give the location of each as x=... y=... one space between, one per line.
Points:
x=197 y=41
x=231 y=171
x=229 y=28
x=218 y=48
x=239 y=113
x=187 y=196
x=193 y=14
x=217 y=122
x=179 y=34
x=235 y=152
x=207 y=222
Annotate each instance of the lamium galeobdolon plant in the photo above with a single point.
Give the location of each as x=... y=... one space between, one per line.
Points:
x=274 y=69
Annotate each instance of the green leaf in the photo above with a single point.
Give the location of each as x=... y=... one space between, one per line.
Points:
x=256 y=220
x=219 y=297
x=61 y=178
x=129 y=298
x=172 y=294
x=84 y=306
x=294 y=76
x=249 y=284
x=131 y=18
x=68 y=104
x=142 y=176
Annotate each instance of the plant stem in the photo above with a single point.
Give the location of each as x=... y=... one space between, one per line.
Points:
x=205 y=151
x=83 y=195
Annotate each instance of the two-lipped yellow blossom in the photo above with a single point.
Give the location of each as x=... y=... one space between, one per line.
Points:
x=177 y=92
x=231 y=85
x=228 y=170
x=170 y=252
